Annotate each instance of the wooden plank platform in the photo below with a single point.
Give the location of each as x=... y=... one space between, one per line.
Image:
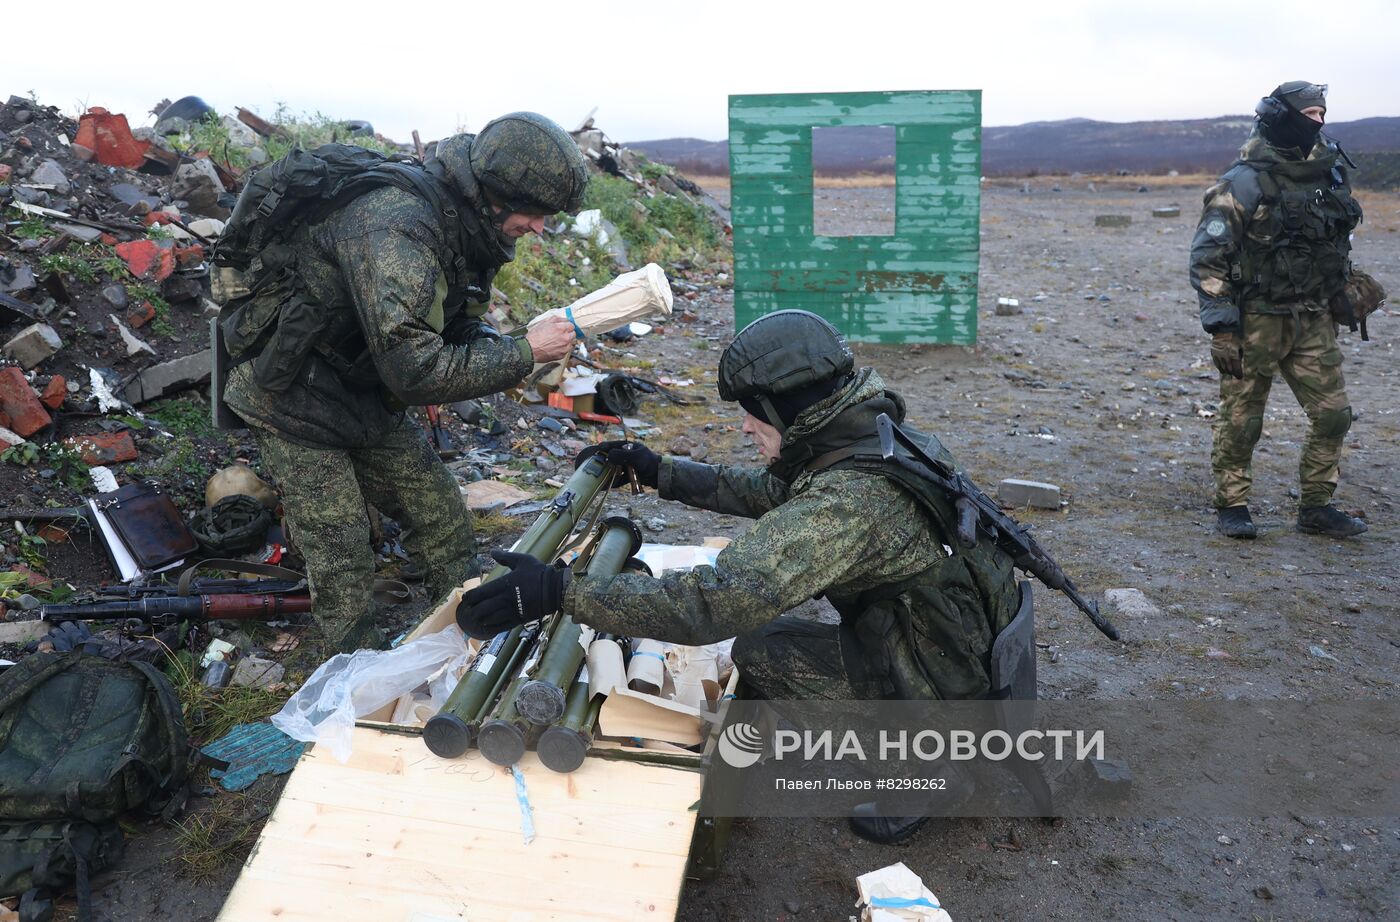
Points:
x=399 y=835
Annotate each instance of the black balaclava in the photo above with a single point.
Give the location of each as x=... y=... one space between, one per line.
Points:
x=790 y=404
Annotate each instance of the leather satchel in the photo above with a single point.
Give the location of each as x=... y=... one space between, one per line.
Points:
x=148 y=524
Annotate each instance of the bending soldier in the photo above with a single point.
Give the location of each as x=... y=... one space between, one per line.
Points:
x=395 y=285
x=918 y=619
x=1271 y=252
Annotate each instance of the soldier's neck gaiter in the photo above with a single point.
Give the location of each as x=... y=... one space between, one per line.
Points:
x=1293 y=130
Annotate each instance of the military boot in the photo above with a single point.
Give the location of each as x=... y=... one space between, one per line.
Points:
x=1329 y=521
x=1234 y=522
x=873 y=822
x=883 y=830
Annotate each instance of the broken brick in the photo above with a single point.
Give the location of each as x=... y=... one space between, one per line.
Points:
x=53 y=534
x=108 y=136
x=158 y=217
x=5 y=170
x=141 y=314
x=32 y=580
x=54 y=392
x=147 y=259
x=189 y=257
x=17 y=398
x=4 y=420
x=104 y=447
x=108 y=239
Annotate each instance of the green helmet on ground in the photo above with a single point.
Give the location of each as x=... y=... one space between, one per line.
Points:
x=783 y=363
x=234 y=525
x=528 y=164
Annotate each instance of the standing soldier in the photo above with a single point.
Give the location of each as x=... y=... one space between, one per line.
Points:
x=1270 y=254
x=372 y=304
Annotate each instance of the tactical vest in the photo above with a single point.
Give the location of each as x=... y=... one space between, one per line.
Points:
x=929 y=636
x=278 y=323
x=1308 y=217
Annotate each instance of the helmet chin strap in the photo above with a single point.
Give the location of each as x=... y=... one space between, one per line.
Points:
x=771 y=412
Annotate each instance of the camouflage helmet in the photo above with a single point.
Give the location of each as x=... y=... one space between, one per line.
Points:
x=782 y=363
x=235 y=524
x=529 y=164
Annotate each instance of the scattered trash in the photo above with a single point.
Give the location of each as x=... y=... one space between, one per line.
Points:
x=897 y=894
x=133 y=343
x=1320 y=653
x=252 y=750
x=1129 y=603
x=1017 y=493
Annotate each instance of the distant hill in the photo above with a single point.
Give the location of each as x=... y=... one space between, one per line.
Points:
x=1077 y=144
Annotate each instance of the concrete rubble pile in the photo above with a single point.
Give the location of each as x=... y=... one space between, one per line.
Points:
x=107 y=289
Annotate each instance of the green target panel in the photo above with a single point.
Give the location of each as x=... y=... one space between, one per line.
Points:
x=918 y=285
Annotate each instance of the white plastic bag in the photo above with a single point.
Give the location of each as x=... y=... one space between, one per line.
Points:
x=350 y=685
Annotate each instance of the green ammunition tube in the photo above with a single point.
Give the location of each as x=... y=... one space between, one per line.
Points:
x=544 y=536
x=542 y=699
x=504 y=737
x=448 y=733
x=562 y=747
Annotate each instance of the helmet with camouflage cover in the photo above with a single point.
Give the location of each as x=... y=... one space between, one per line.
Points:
x=529 y=164
x=235 y=524
x=783 y=363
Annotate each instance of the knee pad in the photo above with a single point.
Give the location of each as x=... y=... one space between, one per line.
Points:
x=1333 y=424
x=1253 y=428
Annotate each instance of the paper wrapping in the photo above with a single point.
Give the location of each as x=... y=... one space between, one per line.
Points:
x=605 y=668
x=631 y=296
x=897 y=894
x=647 y=671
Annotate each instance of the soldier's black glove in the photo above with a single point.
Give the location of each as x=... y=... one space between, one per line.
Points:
x=635 y=455
x=1227 y=352
x=529 y=592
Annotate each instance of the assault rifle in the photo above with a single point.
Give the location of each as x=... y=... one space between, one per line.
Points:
x=979 y=512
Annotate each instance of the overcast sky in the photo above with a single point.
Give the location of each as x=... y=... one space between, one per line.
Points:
x=660 y=69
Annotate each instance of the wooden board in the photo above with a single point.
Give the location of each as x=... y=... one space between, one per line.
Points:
x=399 y=835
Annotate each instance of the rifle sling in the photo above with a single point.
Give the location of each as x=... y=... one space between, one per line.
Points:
x=240 y=566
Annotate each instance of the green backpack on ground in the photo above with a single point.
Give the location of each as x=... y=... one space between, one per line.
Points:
x=83 y=740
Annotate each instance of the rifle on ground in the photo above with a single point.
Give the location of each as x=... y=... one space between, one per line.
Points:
x=979 y=512
x=164 y=609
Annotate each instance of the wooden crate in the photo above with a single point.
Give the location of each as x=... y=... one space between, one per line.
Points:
x=397 y=834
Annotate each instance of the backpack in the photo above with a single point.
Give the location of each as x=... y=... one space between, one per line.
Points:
x=83 y=740
x=276 y=324
x=305 y=186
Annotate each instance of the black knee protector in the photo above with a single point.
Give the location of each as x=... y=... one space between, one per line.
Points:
x=1253 y=429
x=1333 y=424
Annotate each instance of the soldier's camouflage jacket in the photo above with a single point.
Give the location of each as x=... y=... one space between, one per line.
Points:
x=410 y=327
x=1274 y=236
x=923 y=623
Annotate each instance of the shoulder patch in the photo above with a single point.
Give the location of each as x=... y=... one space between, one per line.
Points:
x=1216 y=227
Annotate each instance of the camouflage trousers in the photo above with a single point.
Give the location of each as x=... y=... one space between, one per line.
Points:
x=793 y=658
x=1303 y=349
x=324 y=492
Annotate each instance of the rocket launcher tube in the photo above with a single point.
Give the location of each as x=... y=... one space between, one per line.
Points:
x=542 y=699
x=563 y=746
x=449 y=733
